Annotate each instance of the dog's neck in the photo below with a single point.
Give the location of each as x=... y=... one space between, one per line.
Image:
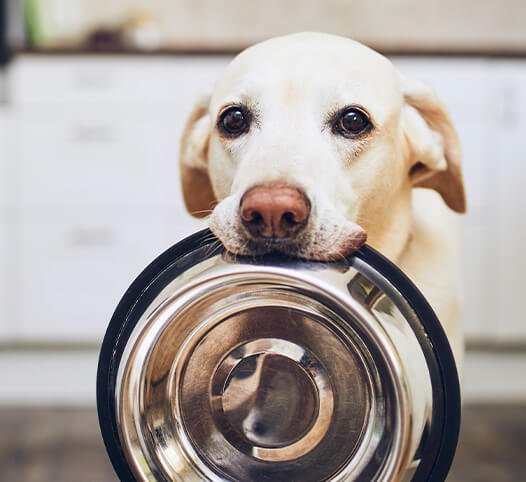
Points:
x=391 y=233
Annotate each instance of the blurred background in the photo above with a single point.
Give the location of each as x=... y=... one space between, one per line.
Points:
x=93 y=98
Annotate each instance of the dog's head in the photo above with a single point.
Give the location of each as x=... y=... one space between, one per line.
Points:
x=309 y=143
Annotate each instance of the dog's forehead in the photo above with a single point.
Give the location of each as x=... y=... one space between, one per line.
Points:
x=300 y=67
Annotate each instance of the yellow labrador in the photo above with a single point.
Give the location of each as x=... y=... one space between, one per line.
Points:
x=312 y=143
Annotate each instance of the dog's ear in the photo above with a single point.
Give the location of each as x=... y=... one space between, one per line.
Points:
x=433 y=143
x=197 y=189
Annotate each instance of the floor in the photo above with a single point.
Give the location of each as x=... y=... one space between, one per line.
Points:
x=64 y=445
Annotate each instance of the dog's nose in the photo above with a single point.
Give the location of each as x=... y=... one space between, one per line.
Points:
x=274 y=211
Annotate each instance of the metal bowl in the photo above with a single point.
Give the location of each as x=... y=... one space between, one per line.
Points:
x=217 y=367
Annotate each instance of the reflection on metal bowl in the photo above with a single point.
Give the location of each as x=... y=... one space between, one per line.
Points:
x=217 y=367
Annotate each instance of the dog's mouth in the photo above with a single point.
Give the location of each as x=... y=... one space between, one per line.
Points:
x=304 y=249
x=284 y=246
x=330 y=243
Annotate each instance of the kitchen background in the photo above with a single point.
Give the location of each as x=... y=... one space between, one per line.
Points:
x=94 y=96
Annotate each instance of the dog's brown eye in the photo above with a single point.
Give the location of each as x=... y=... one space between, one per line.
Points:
x=233 y=122
x=352 y=123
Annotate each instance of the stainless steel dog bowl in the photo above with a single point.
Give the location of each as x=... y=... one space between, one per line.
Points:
x=222 y=368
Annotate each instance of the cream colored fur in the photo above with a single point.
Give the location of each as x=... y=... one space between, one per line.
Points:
x=293 y=84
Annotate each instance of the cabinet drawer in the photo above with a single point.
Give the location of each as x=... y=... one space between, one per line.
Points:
x=75 y=268
x=461 y=83
x=475 y=140
x=99 y=160
x=5 y=290
x=509 y=202
x=5 y=228
x=5 y=158
x=109 y=80
x=479 y=302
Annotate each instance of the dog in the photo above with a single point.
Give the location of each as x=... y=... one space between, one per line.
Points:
x=310 y=144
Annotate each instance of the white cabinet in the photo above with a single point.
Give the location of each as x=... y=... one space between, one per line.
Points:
x=90 y=193
x=3 y=273
x=77 y=263
x=4 y=218
x=508 y=200
x=108 y=81
x=98 y=189
x=494 y=145
x=96 y=158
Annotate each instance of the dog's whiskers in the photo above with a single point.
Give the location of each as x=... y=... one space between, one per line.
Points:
x=214 y=245
x=202 y=211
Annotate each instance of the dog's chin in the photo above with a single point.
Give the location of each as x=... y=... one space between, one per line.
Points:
x=296 y=250
x=322 y=245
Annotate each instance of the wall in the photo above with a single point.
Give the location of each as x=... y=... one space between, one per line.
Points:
x=404 y=25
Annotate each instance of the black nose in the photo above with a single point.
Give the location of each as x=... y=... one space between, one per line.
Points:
x=274 y=211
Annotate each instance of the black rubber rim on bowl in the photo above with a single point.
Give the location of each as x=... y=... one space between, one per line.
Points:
x=433 y=466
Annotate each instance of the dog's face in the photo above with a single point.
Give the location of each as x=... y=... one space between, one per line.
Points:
x=312 y=142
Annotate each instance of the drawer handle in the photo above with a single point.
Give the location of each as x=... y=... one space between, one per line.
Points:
x=91 y=237
x=92 y=80
x=93 y=133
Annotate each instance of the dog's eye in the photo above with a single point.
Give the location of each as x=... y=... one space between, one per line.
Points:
x=352 y=123
x=233 y=122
